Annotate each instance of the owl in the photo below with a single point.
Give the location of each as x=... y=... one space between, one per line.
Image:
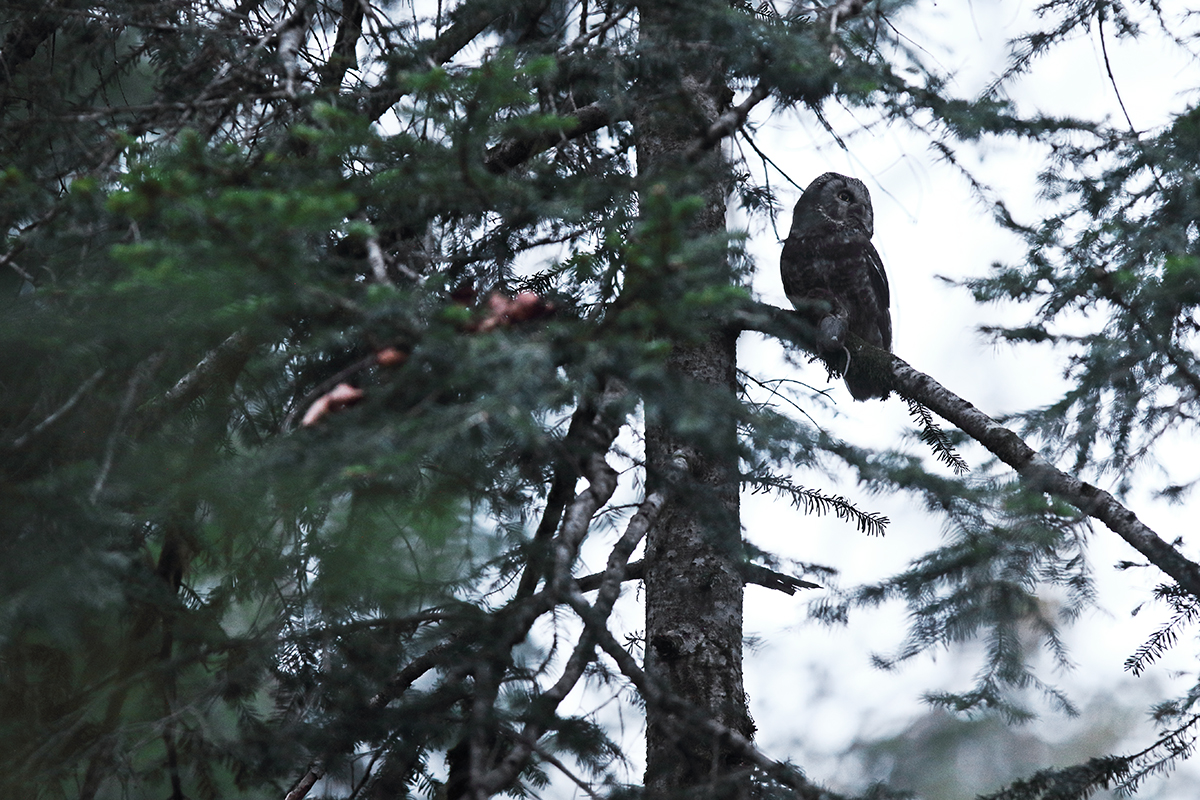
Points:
x=828 y=256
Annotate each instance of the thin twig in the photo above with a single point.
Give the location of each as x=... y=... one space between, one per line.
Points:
x=595 y=619
x=550 y=758
x=1120 y=101
x=657 y=696
x=754 y=145
x=142 y=374
x=70 y=403
x=586 y=36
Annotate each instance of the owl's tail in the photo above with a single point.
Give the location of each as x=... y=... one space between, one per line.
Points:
x=860 y=384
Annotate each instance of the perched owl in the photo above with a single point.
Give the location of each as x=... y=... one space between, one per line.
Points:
x=828 y=256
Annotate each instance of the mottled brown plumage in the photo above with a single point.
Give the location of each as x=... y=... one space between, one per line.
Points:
x=828 y=257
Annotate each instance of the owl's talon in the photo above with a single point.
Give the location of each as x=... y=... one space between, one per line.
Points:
x=831 y=334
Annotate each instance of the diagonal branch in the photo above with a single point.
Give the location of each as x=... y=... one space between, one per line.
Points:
x=751 y=573
x=696 y=720
x=595 y=624
x=470 y=23
x=567 y=471
x=512 y=152
x=70 y=403
x=731 y=121
x=1035 y=470
x=343 y=57
x=516 y=621
x=1039 y=474
x=431 y=659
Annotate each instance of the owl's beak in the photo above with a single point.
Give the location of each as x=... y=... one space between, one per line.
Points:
x=857 y=219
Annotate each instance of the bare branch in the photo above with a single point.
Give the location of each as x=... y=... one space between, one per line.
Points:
x=344 y=56
x=655 y=695
x=470 y=23
x=587 y=35
x=513 y=152
x=290 y=36
x=751 y=573
x=731 y=121
x=144 y=372
x=70 y=403
x=305 y=784
x=227 y=357
x=567 y=470
x=595 y=621
x=376 y=260
x=602 y=482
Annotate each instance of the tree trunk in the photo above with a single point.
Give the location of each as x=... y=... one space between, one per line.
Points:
x=693 y=586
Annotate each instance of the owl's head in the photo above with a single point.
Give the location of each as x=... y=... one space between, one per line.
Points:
x=835 y=205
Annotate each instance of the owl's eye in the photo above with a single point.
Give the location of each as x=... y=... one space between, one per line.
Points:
x=845 y=196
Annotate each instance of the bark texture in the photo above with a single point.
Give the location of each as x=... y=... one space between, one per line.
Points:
x=693 y=584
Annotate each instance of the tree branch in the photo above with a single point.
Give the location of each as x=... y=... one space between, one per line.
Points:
x=22 y=42
x=343 y=56
x=513 y=152
x=1035 y=470
x=219 y=366
x=399 y=683
x=595 y=622
x=729 y=122
x=751 y=573
x=1039 y=474
x=567 y=470
x=655 y=695
x=469 y=24
x=70 y=403
x=594 y=116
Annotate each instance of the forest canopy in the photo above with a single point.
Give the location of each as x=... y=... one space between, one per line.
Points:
x=333 y=333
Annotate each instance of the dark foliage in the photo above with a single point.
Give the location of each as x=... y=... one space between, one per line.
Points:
x=318 y=322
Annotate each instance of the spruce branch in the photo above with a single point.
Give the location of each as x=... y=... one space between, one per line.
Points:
x=343 y=57
x=592 y=430
x=1187 y=612
x=1176 y=744
x=26 y=34
x=472 y=19
x=513 y=152
x=814 y=501
x=612 y=18
x=553 y=760
x=1180 y=361
x=218 y=367
x=133 y=389
x=730 y=122
x=1039 y=474
x=936 y=438
x=1123 y=773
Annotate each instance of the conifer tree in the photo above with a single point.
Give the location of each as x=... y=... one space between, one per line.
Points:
x=331 y=333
